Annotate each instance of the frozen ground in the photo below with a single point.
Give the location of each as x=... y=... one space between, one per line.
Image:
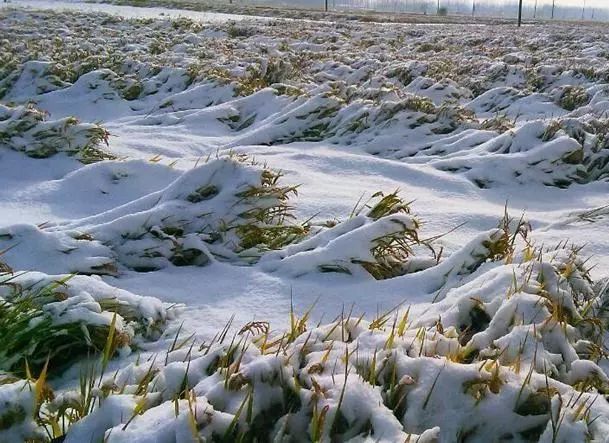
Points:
x=165 y=187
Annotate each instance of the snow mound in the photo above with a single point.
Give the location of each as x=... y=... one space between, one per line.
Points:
x=62 y=318
x=509 y=353
x=385 y=242
x=556 y=153
x=26 y=129
x=227 y=209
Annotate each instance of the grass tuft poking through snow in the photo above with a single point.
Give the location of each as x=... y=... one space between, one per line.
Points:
x=26 y=129
x=231 y=209
x=515 y=354
x=54 y=321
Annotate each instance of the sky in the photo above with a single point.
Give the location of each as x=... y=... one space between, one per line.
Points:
x=559 y=3
x=589 y=3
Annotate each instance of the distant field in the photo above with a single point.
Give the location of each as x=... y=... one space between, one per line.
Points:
x=297 y=11
x=385 y=10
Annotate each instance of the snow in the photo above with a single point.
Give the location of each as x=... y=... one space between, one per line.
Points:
x=157 y=215
x=17 y=400
x=124 y=11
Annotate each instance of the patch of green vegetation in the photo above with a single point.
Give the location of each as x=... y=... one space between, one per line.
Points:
x=573 y=97
x=31 y=336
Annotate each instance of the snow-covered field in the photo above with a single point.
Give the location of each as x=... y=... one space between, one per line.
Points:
x=240 y=229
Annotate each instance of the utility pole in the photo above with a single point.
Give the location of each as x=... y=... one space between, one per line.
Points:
x=584 y=10
x=535 y=10
x=438 y=10
x=520 y=13
x=553 y=6
x=473 y=8
x=326 y=6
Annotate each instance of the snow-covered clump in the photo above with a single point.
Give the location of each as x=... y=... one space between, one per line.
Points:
x=511 y=349
x=557 y=153
x=385 y=242
x=227 y=209
x=62 y=318
x=27 y=130
x=514 y=363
